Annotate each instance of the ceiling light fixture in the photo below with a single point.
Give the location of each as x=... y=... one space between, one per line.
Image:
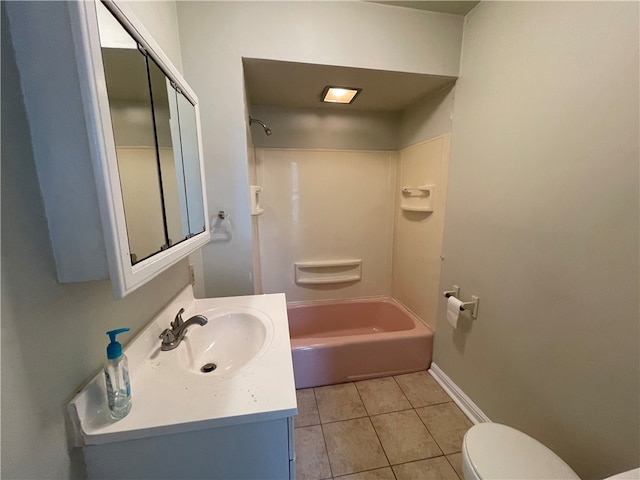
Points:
x=339 y=94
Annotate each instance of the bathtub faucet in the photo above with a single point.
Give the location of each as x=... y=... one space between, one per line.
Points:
x=171 y=337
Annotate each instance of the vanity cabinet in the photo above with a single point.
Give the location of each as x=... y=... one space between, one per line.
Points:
x=233 y=422
x=260 y=450
x=117 y=142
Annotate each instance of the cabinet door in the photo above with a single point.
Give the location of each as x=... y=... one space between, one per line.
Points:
x=134 y=132
x=155 y=129
x=170 y=162
x=187 y=113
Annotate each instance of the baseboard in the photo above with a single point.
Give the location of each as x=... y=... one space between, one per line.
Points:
x=460 y=398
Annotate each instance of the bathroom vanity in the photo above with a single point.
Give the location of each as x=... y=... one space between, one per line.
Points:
x=233 y=422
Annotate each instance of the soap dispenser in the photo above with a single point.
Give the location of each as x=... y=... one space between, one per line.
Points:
x=116 y=374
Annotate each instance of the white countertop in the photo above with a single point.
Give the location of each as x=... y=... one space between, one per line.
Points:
x=167 y=399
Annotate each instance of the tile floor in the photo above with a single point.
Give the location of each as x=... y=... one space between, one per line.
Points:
x=393 y=428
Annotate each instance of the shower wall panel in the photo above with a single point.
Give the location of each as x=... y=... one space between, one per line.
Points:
x=418 y=235
x=323 y=205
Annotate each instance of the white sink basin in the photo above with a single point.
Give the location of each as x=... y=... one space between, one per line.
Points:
x=231 y=340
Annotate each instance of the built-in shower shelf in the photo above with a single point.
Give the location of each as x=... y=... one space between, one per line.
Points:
x=320 y=281
x=418 y=199
x=321 y=272
x=409 y=208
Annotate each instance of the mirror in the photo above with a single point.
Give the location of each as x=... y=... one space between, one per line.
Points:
x=169 y=155
x=191 y=164
x=155 y=132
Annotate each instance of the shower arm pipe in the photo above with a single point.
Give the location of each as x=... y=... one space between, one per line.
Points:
x=252 y=120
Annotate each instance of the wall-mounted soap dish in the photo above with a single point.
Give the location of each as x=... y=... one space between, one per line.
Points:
x=256 y=209
x=418 y=199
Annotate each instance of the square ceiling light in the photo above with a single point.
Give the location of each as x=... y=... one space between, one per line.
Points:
x=332 y=94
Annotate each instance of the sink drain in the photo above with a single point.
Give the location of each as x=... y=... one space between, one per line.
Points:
x=208 y=367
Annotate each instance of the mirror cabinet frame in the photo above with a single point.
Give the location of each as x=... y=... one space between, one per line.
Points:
x=124 y=276
x=63 y=86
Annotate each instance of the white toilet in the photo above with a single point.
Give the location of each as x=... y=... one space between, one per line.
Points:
x=494 y=451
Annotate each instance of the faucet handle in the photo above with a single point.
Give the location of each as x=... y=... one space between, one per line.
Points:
x=167 y=336
x=178 y=320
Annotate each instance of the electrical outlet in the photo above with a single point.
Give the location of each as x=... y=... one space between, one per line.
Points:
x=192 y=275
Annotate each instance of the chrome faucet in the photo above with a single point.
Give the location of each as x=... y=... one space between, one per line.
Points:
x=171 y=337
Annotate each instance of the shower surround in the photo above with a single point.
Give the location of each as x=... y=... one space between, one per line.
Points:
x=360 y=272
x=345 y=205
x=326 y=205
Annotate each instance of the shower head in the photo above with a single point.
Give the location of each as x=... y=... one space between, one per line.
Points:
x=267 y=130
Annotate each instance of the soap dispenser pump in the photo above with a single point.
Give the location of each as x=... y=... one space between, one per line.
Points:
x=116 y=375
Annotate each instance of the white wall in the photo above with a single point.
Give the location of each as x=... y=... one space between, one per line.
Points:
x=216 y=35
x=53 y=336
x=542 y=225
x=326 y=205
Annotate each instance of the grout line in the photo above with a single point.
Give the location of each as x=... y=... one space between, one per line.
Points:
x=432 y=435
x=322 y=431
x=365 y=471
x=376 y=432
x=395 y=411
x=452 y=464
x=402 y=390
x=360 y=395
x=344 y=420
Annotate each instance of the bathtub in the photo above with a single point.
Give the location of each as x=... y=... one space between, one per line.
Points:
x=356 y=340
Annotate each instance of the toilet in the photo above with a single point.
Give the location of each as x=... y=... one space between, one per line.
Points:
x=494 y=451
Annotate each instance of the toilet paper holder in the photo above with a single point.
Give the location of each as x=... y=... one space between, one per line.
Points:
x=471 y=306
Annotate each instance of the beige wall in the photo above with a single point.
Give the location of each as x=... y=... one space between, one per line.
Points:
x=216 y=35
x=53 y=336
x=326 y=205
x=417 y=242
x=542 y=225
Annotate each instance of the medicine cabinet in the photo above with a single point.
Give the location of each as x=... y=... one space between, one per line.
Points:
x=145 y=207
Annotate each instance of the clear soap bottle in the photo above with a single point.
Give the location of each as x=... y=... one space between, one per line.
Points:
x=116 y=375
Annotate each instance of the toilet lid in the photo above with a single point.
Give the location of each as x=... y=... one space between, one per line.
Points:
x=496 y=451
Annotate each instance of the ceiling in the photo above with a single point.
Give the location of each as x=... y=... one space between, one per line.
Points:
x=300 y=85
x=454 y=7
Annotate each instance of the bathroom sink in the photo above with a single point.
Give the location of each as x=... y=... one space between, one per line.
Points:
x=246 y=337
x=231 y=340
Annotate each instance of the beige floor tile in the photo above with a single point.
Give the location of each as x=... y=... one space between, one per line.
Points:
x=382 y=395
x=421 y=389
x=378 y=474
x=307 y=408
x=353 y=446
x=455 y=459
x=432 y=469
x=404 y=437
x=312 y=462
x=339 y=402
x=447 y=424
